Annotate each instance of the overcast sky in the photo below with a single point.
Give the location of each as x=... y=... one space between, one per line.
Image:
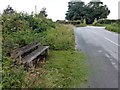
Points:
x=56 y=9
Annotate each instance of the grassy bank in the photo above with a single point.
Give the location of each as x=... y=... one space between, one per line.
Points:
x=60 y=38
x=0 y=56
x=81 y=25
x=64 y=67
x=113 y=27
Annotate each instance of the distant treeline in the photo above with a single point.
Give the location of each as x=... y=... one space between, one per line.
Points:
x=107 y=21
x=101 y=21
x=69 y=22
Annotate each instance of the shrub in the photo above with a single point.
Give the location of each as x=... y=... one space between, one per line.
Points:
x=107 y=21
x=12 y=76
x=22 y=29
x=60 y=38
x=113 y=27
x=95 y=22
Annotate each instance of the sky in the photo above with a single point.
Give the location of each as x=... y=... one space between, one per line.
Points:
x=56 y=9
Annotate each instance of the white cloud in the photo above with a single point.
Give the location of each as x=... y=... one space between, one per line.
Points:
x=56 y=9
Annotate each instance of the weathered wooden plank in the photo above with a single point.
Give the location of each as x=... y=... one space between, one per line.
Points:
x=34 y=54
x=17 y=52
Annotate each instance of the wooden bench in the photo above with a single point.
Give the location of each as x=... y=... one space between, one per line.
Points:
x=26 y=55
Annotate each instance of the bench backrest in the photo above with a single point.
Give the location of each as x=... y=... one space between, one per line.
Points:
x=20 y=51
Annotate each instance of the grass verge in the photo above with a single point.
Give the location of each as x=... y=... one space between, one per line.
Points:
x=81 y=25
x=113 y=27
x=0 y=56
x=63 y=69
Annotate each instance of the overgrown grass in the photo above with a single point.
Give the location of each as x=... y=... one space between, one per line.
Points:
x=63 y=69
x=101 y=25
x=60 y=38
x=0 y=56
x=113 y=27
x=81 y=25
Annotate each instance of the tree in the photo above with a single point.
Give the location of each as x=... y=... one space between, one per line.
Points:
x=43 y=12
x=80 y=11
x=9 y=10
x=75 y=10
x=96 y=10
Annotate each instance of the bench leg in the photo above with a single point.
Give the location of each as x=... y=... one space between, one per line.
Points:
x=31 y=64
x=46 y=52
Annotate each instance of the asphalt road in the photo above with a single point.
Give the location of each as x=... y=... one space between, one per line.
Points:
x=101 y=47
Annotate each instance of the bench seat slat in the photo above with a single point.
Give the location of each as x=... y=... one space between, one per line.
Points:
x=20 y=51
x=34 y=54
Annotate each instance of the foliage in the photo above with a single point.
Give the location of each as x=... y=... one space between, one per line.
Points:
x=0 y=56
x=13 y=76
x=95 y=22
x=107 y=21
x=63 y=69
x=20 y=29
x=75 y=10
x=84 y=21
x=21 y=21
x=9 y=10
x=90 y=11
x=81 y=25
x=43 y=12
x=113 y=27
x=60 y=38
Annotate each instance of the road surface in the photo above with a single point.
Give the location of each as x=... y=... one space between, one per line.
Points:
x=101 y=47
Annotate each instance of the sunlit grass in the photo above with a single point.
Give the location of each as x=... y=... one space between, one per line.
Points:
x=60 y=38
x=113 y=27
x=63 y=69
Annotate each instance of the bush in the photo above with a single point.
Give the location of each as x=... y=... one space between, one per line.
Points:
x=113 y=27
x=107 y=21
x=95 y=22
x=12 y=76
x=22 y=29
x=60 y=38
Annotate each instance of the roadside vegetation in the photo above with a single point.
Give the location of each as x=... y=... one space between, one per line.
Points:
x=0 y=56
x=111 y=25
x=93 y=13
x=64 y=67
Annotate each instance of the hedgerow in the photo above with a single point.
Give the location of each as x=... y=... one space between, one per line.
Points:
x=20 y=29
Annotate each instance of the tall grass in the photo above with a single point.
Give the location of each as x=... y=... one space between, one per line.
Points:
x=0 y=56
x=60 y=38
x=113 y=27
x=63 y=69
